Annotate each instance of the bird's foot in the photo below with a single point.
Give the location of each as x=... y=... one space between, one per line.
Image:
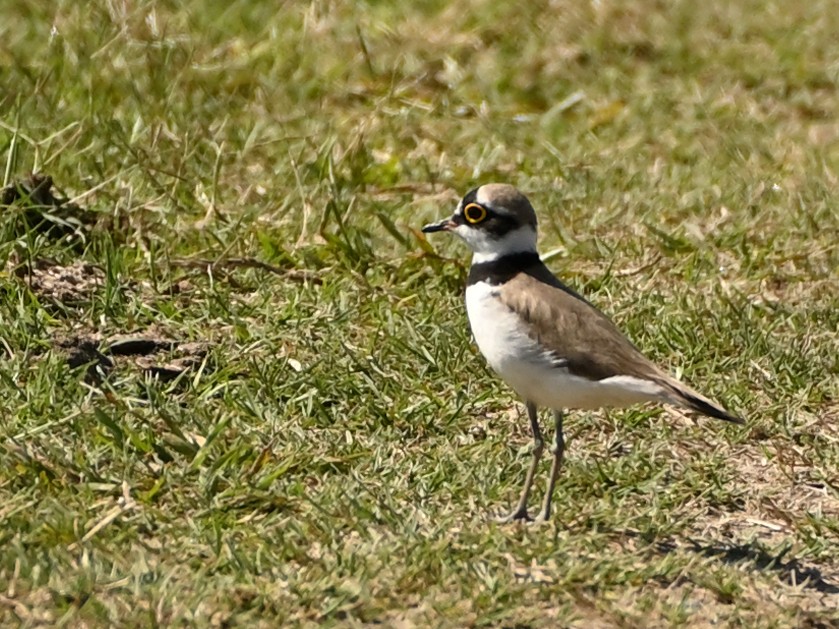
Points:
x=542 y=517
x=519 y=515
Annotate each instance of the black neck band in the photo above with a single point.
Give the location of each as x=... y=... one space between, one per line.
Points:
x=503 y=269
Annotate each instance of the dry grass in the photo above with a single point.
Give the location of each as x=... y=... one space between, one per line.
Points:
x=240 y=389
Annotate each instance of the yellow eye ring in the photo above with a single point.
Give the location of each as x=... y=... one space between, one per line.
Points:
x=474 y=213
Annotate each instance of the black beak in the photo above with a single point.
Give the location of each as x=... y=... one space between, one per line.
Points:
x=443 y=226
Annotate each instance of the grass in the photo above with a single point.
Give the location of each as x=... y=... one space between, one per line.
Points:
x=308 y=436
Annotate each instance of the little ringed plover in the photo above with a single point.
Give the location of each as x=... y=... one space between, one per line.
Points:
x=548 y=343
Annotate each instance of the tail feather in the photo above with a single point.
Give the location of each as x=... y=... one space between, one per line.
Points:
x=688 y=398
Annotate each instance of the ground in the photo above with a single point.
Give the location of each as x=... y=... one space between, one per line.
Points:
x=239 y=387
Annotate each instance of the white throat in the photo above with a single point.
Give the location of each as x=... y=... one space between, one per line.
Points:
x=486 y=249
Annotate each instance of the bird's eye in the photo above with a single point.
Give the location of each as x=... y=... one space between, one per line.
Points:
x=474 y=213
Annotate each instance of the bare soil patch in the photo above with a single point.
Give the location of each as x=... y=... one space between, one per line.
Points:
x=41 y=209
x=151 y=353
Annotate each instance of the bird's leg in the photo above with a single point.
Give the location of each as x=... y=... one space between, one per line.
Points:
x=520 y=512
x=558 y=450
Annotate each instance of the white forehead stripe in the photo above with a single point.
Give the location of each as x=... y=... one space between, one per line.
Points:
x=481 y=197
x=484 y=198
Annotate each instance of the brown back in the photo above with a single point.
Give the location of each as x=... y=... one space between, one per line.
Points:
x=575 y=330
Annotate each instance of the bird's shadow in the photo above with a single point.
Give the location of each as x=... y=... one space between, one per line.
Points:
x=789 y=570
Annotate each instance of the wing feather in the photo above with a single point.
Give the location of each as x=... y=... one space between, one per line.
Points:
x=583 y=339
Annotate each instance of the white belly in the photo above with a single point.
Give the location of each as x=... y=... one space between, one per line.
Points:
x=531 y=371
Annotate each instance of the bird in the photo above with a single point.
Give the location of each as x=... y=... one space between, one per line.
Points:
x=548 y=343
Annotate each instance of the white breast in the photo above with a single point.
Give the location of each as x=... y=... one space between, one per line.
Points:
x=531 y=371
x=499 y=332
